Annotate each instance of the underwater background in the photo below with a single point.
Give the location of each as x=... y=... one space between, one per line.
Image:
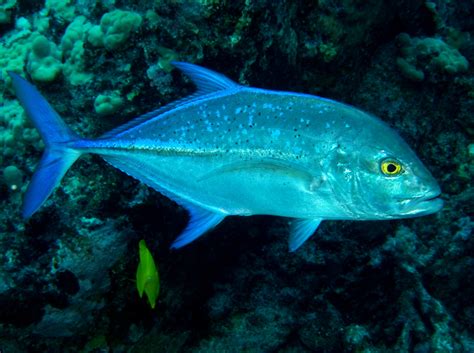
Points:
x=67 y=275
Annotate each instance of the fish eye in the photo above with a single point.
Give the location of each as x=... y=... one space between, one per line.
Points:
x=391 y=167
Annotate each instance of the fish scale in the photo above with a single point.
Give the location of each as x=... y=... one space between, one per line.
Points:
x=255 y=124
x=235 y=150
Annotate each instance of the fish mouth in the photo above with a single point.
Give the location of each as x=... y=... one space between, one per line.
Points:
x=421 y=206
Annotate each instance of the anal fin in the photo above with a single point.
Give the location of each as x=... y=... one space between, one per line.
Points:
x=301 y=230
x=201 y=221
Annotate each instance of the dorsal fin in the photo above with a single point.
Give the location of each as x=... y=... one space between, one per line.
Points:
x=207 y=81
x=201 y=219
x=150 y=115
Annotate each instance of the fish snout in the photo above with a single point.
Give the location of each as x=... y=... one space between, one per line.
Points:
x=426 y=201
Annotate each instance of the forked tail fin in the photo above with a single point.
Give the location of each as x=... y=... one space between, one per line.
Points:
x=58 y=156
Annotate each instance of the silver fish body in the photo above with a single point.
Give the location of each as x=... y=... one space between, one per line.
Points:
x=235 y=150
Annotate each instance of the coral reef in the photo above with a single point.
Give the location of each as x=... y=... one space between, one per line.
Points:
x=115 y=29
x=67 y=274
x=420 y=55
x=43 y=63
x=6 y=8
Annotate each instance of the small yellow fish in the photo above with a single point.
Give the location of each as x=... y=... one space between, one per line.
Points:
x=148 y=280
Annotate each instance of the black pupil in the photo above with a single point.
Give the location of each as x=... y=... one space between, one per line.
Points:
x=391 y=168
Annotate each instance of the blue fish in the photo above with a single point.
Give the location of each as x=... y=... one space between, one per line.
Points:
x=235 y=150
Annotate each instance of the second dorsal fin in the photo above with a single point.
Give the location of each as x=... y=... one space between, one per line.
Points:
x=207 y=81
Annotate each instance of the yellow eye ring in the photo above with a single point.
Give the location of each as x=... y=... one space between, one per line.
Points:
x=390 y=167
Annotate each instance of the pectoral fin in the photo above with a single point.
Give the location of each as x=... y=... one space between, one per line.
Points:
x=201 y=221
x=301 y=230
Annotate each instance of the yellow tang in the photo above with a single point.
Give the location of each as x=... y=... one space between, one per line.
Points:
x=148 y=280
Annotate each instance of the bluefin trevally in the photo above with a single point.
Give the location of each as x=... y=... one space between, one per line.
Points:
x=235 y=150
